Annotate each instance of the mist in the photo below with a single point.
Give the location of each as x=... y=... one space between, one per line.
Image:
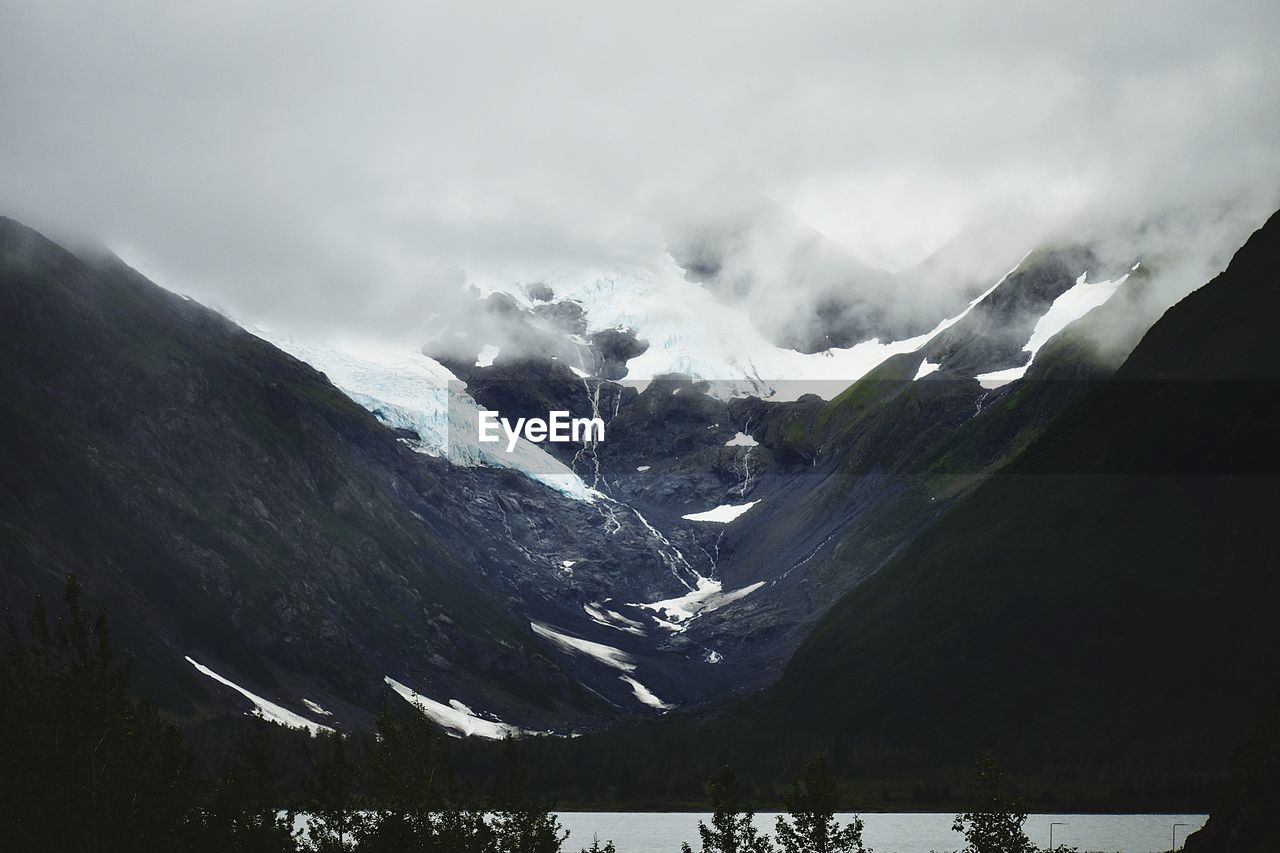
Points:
x=322 y=167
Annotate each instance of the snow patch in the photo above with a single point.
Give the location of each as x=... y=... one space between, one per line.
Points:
x=1000 y=378
x=1074 y=303
x=612 y=619
x=316 y=709
x=1079 y=300
x=925 y=369
x=606 y=655
x=488 y=353
x=722 y=514
x=642 y=468
x=456 y=718
x=742 y=440
x=264 y=708
x=675 y=614
x=645 y=695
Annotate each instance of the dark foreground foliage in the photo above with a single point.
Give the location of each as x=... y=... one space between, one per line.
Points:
x=86 y=766
x=83 y=764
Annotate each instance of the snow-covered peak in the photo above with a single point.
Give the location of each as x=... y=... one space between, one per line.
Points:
x=689 y=331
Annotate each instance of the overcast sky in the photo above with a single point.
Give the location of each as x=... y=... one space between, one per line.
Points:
x=340 y=162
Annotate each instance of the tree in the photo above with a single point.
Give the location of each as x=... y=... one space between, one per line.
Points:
x=521 y=824
x=243 y=811
x=596 y=848
x=995 y=825
x=330 y=798
x=732 y=830
x=83 y=764
x=410 y=777
x=812 y=806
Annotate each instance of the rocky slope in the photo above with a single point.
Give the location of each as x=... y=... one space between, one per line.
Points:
x=1099 y=612
x=227 y=503
x=246 y=513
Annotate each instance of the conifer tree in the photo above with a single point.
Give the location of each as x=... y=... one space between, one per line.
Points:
x=83 y=764
x=410 y=777
x=243 y=812
x=335 y=820
x=732 y=828
x=812 y=827
x=521 y=824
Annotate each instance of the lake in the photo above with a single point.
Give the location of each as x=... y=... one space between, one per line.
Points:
x=662 y=832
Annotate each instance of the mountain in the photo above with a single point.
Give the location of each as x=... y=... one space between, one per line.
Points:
x=229 y=505
x=1100 y=611
x=1241 y=818
x=829 y=489
x=805 y=292
x=288 y=525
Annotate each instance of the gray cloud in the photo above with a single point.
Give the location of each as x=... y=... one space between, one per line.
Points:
x=320 y=164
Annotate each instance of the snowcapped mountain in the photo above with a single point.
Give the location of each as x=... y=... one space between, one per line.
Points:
x=689 y=331
x=741 y=488
x=722 y=450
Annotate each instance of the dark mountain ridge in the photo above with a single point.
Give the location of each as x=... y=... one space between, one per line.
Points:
x=238 y=508
x=228 y=503
x=1100 y=612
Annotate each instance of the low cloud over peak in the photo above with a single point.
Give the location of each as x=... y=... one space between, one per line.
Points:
x=333 y=165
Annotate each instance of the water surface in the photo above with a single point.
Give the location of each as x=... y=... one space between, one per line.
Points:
x=662 y=832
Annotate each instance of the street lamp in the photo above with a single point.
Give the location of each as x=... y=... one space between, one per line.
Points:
x=1175 y=834
x=1052 y=824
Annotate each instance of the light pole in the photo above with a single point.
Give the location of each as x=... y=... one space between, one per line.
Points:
x=1175 y=834
x=1052 y=824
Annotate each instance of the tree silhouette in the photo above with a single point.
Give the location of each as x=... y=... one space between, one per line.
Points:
x=334 y=819
x=732 y=829
x=243 y=811
x=812 y=806
x=417 y=796
x=521 y=824
x=995 y=824
x=83 y=765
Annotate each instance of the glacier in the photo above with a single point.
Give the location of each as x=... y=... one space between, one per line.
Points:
x=405 y=389
x=689 y=331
